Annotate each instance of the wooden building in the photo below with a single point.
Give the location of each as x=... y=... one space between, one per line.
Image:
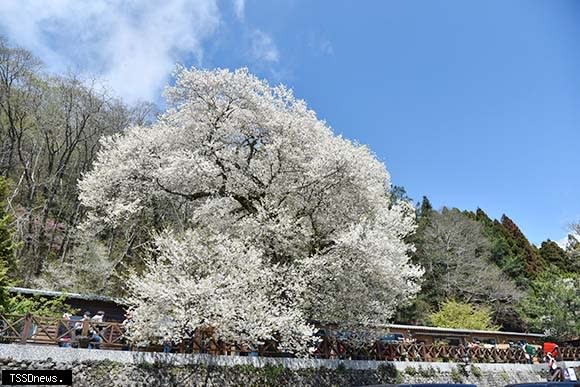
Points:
x=431 y=335
x=114 y=308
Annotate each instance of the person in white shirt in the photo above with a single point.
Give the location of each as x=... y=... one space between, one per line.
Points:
x=555 y=371
x=98 y=317
x=79 y=324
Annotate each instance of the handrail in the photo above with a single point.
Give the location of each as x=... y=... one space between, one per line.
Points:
x=31 y=329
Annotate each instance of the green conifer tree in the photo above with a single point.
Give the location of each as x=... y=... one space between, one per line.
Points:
x=425 y=208
x=528 y=254
x=554 y=255
x=510 y=249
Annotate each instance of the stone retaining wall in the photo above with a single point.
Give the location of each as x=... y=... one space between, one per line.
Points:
x=118 y=368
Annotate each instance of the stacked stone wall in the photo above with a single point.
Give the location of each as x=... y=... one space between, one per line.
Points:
x=118 y=368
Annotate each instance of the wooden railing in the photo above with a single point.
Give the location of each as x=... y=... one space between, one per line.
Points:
x=422 y=352
x=332 y=348
x=30 y=329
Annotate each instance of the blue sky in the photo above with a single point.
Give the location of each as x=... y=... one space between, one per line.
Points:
x=472 y=103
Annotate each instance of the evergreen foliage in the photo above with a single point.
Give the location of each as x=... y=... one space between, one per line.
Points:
x=555 y=256
x=398 y=193
x=573 y=250
x=553 y=305
x=533 y=264
x=38 y=305
x=510 y=249
x=425 y=209
x=455 y=253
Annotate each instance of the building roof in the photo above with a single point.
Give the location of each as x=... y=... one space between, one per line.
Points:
x=78 y=296
x=466 y=331
x=432 y=330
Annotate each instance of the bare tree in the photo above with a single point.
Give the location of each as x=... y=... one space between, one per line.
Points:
x=50 y=128
x=17 y=71
x=455 y=254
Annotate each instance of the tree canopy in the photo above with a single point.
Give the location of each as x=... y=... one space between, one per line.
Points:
x=7 y=246
x=237 y=163
x=553 y=305
x=460 y=315
x=257 y=195
x=456 y=255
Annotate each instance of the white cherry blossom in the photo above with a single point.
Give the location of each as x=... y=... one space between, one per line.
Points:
x=271 y=219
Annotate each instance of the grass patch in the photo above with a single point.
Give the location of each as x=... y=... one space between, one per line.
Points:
x=456 y=375
x=428 y=372
x=476 y=371
x=410 y=371
x=398 y=379
x=504 y=376
x=274 y=372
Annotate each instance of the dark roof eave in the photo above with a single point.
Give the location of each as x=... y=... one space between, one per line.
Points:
x=78 y=296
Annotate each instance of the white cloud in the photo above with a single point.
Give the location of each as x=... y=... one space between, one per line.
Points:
x=563 y=243
x=239 y=8
x=323 y=46
x=263 y=47
x=132 y=44
x=319 y=45
x=326 y=47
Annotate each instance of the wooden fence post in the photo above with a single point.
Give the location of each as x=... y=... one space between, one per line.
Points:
x=26 y=328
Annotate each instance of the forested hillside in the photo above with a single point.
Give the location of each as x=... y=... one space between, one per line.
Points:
x=490 y=265
x=50 y=132
x=50 y=127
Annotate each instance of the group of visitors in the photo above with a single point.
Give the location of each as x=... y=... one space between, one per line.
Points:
x=86 y=330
